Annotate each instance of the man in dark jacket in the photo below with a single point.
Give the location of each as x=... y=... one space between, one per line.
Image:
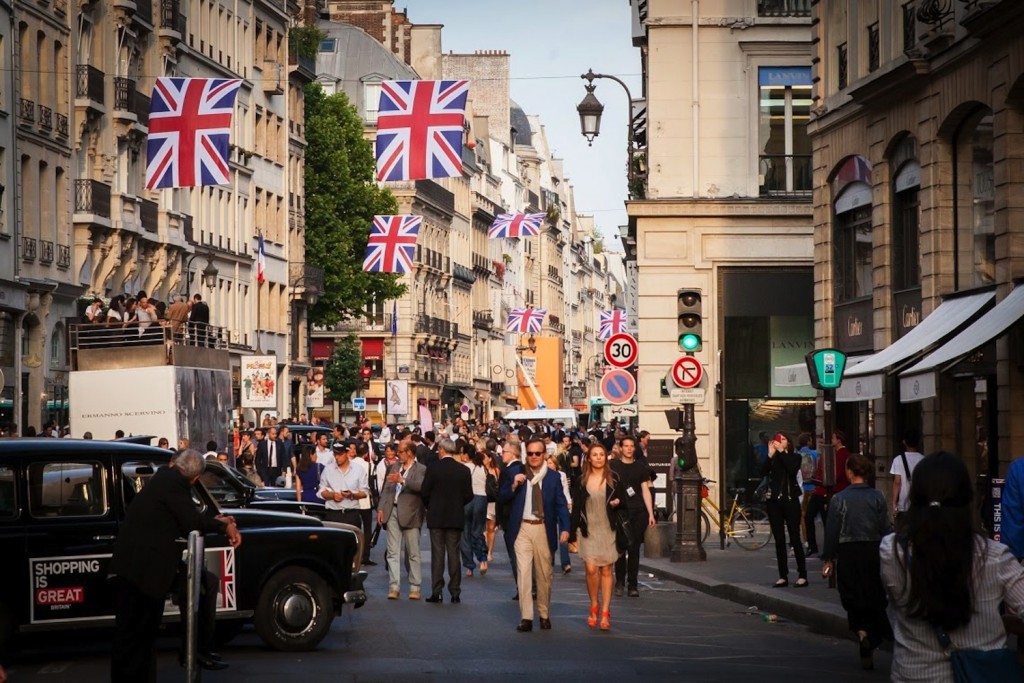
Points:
x=511 y=465
x=447 y=488
x=147 y=558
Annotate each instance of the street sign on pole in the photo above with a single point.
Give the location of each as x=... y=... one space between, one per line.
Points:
x=691 y=395
x=687 y=372
x=359 y=403
x=625 y=410
x=620 y=350
x=618 y=386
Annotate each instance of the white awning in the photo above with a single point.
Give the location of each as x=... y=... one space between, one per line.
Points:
x=796 y=375
x=951 y=314
x=920 y=381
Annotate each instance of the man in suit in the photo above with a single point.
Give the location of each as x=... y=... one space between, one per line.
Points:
x=447 y=487
x=400 y=512
x=269 y=458
x=146 y=561
x=511 y=466
x=199 y=320
x=284 y=437
x=539 y=509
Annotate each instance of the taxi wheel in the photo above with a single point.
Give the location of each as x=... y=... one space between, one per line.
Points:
x=294 y=611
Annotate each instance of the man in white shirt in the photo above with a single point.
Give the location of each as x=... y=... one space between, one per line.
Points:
x=342 y=485
x=324 y=456
x=902 y=471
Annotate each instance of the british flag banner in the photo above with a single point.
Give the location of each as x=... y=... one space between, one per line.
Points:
x=392 y=244
x=189 y=127
x=525 y=320
x=611 y=322
x=420 y=129
x=516 y=225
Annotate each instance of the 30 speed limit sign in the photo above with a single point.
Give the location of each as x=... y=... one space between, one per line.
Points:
x=620 y=350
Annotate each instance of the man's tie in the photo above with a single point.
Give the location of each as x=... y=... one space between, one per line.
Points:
x=538 y=503
x=273 y=455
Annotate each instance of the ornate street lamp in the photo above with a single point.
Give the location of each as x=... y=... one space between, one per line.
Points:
x=210 y=272
x=590 y=110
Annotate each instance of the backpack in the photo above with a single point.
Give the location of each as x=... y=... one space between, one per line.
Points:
x=808 y=463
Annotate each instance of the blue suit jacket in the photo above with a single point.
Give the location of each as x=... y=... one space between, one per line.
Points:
x=556 y=509
x=1012 y=530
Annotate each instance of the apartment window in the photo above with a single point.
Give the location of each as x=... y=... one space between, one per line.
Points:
x=853 y=254
x=329 y=45
x=371 y=100
x=842 y=66
x=57 y=347
x=784 y=146
x=873 y=47
x=975 y=202
x=906 y=181
x=909 y=27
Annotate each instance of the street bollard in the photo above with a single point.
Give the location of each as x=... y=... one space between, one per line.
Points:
x=194 y=561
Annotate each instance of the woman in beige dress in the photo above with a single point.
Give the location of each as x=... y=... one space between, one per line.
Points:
x=595 y=505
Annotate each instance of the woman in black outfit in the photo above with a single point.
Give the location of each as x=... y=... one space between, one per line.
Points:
x=783 y=506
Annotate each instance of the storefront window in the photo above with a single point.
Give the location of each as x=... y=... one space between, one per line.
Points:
x=853 y=266
x=785 y=148
x=975 y=202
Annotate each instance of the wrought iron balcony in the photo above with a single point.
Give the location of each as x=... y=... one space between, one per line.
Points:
x=783 y=8
x=26 y=110
x=90 y=83
x=144 y=11
x=149 y=212
x=45 y=118
x=141 y=105
x=28 y=248
x=439 y=327
x=92 y=196
x=124 y=89
x=483 y=320
x=786 y=175
x=46 y=251
x=62 y=125
x=63 y=256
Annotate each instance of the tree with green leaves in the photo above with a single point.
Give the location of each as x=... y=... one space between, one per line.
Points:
x=341 y=372
x=341 y=200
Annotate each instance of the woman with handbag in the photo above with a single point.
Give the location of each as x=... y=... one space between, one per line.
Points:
x=596 y=525
x=491 y=489
x=946 y=582
x=783 y=507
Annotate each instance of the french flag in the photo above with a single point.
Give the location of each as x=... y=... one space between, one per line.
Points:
x=261 y=263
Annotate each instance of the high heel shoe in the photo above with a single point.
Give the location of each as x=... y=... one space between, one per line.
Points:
x=592 y=619
x=606 y=621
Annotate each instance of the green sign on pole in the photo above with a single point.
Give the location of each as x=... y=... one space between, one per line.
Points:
x=826 y=367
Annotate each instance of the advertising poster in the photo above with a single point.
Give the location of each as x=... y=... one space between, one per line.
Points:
x=315 y=387
x=398 y=397
x=259 y=381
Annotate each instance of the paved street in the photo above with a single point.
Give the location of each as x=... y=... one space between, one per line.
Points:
x=671 y=632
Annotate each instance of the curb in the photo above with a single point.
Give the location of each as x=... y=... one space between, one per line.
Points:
x=818 y=616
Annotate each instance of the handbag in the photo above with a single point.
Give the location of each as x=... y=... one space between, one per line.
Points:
x=971 y=665
x=623 y=531
x=491 y=488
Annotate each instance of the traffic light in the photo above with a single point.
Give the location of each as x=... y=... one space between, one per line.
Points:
x=690 y=320
x=365 y=374
x=685 y=450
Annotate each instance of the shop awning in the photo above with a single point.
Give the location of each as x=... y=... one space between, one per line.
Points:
x=469 y=394
x=919 y=381
x=854 y=389
x=868 y=377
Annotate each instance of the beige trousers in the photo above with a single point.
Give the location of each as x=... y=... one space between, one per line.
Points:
x=533 y=555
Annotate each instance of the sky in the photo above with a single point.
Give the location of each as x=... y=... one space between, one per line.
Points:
x=550 y=43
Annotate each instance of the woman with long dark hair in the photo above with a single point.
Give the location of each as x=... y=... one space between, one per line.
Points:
x=858 y=521
x=783 y=507
x=307 y=475
x=473 y=546
x=939 y=571
x=596 y=500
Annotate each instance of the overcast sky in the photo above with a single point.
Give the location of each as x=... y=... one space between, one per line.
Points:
x=552 y=42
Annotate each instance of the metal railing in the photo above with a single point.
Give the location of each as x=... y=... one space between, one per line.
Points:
x=62 y=125
x=783 y=8
x=90 y=83
x=124 y=88
x=26 y=110
x=92 y=196
x=63 y=256
x=87 y=336
x=28 y=248
x=46 y=251
x=785 y=175
x=45 y=118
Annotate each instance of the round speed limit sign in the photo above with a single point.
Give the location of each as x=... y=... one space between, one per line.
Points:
x=620 y=350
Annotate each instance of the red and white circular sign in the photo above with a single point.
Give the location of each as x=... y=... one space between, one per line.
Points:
x=687 y=372
x=620 y=350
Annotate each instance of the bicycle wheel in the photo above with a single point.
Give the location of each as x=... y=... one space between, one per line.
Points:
x=705 y=527
x=750 y=528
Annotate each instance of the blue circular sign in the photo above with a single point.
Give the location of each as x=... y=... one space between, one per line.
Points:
x=618 y=386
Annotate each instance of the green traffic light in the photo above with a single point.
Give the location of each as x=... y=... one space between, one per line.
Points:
x=689 y=342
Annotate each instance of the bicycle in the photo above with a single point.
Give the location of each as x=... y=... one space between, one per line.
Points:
x=746 y=524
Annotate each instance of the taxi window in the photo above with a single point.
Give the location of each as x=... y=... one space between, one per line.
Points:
x=134 y=476
x=66 y=489
x=8 y=501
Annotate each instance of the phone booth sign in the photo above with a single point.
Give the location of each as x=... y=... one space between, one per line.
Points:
x=826 y=367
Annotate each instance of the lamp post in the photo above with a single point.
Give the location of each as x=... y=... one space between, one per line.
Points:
x=590 y=110
x=210 y=272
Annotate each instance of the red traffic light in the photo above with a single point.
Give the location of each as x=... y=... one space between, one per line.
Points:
x=366 y=371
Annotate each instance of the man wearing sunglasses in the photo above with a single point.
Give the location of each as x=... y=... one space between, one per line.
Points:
x=538 y=509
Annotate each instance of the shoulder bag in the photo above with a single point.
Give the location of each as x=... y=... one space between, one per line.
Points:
x=971 y=665
x=491 y=488
x=623 y=530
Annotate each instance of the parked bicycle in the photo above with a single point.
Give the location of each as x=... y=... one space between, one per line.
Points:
x=746 y=524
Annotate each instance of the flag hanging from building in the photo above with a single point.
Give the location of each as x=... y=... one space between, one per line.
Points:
x=516 y=225
x=525 y=320
x=420 y=129
x=394 y=318
x=611 y=322
x=392 y=244
x=261 y=263
x=189 y=128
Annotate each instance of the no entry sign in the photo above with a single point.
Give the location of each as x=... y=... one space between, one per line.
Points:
x=618 y=386
x=687 y=372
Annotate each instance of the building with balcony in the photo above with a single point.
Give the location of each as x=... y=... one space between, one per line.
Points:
x=721 y=204
x=916 y=137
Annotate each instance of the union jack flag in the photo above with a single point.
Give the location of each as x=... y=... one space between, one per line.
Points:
x=420 y=128
x=525 y=320
x=227 y=600
x=611 y=322
x=189 y=126
x=392 y=244
x=516 y=225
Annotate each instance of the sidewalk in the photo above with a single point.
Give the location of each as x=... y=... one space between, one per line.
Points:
x=746 y=577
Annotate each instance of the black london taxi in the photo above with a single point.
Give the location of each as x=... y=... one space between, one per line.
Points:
x=231 y=489
x=62 y=502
